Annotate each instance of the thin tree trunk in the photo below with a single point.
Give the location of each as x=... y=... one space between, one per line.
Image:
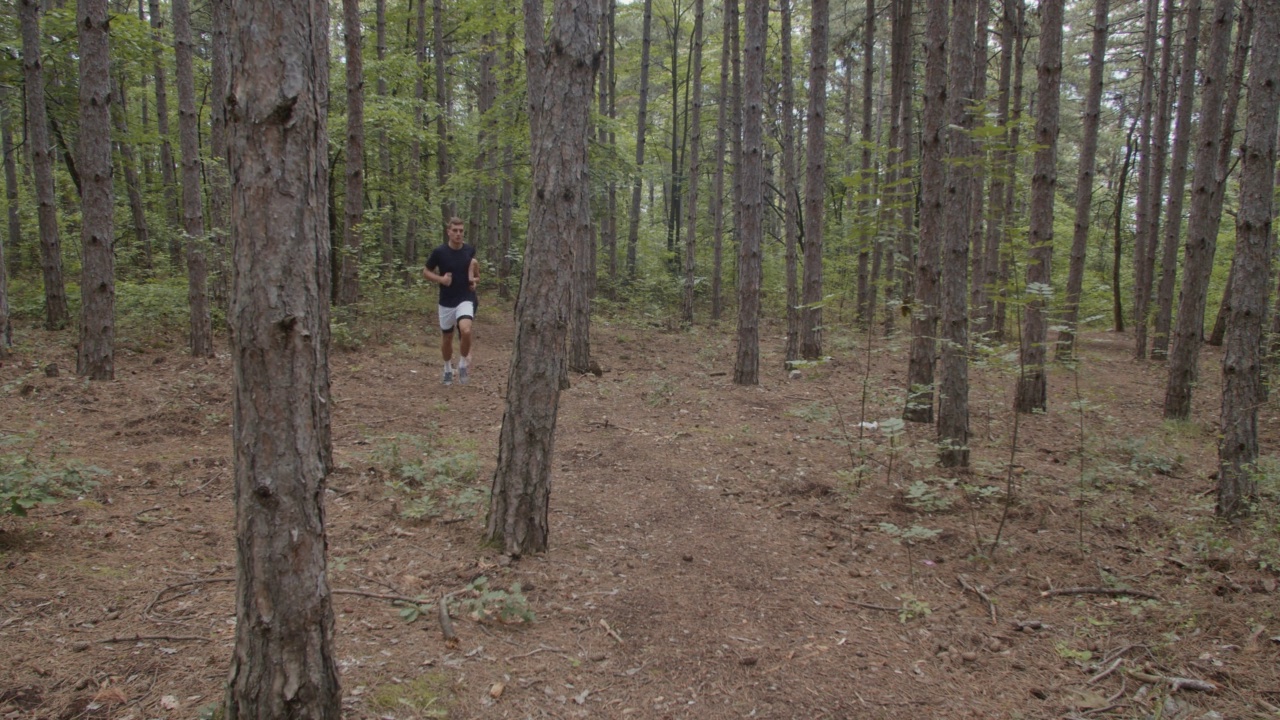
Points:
x=746 y=370
x=1242 y=360
x=1177 y=182
x=10 y=180
x=924 y=314
x=1155 y=196
x=790 y=191
x=169 y=194
x=386 y=183
x=417 y=206
x=129 y=168
x=1005 y=264
x=56 y=314
x=1202 y=234
x=219 y=180
x=953 y=376
x=353 y=211
x=560 y=72
x=695 y=165
x=716 y=204
x=1033 y=380
x=1117 y=308
x=1144 y=191
x=633 y=228
x=815 y=185
x=1065 y=350
x=985 y=289
x=867 y=179
x=448 y=207
x=201 y=330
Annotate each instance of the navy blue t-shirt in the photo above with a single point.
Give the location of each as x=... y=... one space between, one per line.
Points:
x=445 y=259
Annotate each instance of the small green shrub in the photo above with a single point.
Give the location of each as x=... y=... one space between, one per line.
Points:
x=431 y=475
x=26 y=483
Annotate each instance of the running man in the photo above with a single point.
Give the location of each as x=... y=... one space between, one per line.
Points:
x=447 y=266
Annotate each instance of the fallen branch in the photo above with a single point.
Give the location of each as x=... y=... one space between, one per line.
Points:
x=976 y=590
x=610 y=631
x=1175 y=683
x=1106 y=672
x=156 y=638
x=535 y=651
x=378 y=596
x=869 y=606
x=446 y=624
x=1112 y=592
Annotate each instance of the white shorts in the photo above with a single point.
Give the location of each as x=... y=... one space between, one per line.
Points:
x=449 y=316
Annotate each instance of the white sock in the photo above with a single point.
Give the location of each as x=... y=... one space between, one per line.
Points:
x=464 y=361
x=448 y=366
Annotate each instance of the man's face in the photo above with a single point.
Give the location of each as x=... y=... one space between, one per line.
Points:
x=455 y=234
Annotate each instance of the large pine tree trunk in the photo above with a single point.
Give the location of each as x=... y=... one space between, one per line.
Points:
x=953 y=380
x=56 y=314
x=791 y=192
x=1177 y=182
x=633 y=227
x=924 y=312
x=695 y=166
x=1202 y=231
x=1242 y=360
x=283 y=664
x=96 y=356
x=201 y=330
x=746 y=369
x=560 y=71
x=353 y=215
x=1033 y=379
x=1089 y=123
x=815 y=185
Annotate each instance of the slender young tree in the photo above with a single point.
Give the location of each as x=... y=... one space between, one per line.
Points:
x=216 y=168
x=746 y=370
x=129 y=168
x=1177 y=182
x=9 y=149
x=417 y=206
x=924 y=314
x=201 y=329
x=386 y=202
x=633 y=227
x=695 y=166
x=283 y=664
x=1065 y=349
x=716 y=204
x=790 y=202
x=1155 y=190
x=353 y=215
x=1202 y=232
x=815 y=184
x=561 y=65
x=448 y=208
x=1033 y=380
x=169 y=203
x=1242 y=359
x=867 y=279
x=1143 y=190
x=953 y=380
x=95 y=358
x=56 y=314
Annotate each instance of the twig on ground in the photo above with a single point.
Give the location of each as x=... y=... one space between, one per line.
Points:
x=446 y=624
x=977 y=590
x=144 y=512
x=1175 y=683
x=1104 y=673
x=202 y=486
x=611 y=632
x=535 y=651
x=206 y=581
x=377 y=596
x=869 y=606
x=1113 y=592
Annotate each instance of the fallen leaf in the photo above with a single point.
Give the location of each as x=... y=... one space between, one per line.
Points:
x=169 y=702
x=495 y=692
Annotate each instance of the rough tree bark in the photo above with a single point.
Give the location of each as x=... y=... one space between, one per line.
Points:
x=1202 y=232
x=200 y=339
x=1033 y=380
x=790 y=189
x=815 y=190
x=746 y=369
x=1065 y=349
x=953 y=380
x=561 y=67
x=283 y=664
x=95 y=358
x=1242 y=359
x=924 y=313
x=56 y=314
x=1177 y=182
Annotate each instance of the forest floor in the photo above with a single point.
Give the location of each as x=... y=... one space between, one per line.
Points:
x=716 y=552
